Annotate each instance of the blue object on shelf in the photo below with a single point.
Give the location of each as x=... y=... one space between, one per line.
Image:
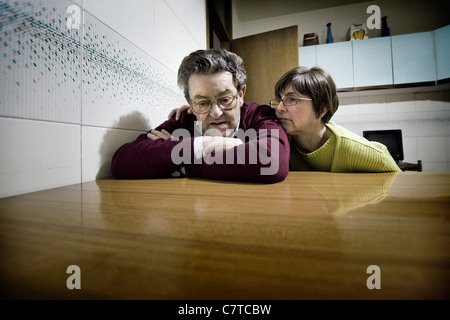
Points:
x=329 y=35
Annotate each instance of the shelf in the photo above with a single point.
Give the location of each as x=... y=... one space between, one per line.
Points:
x=403 y=61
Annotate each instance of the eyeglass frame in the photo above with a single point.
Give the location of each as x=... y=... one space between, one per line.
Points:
x=286 y=105
x=235 y=97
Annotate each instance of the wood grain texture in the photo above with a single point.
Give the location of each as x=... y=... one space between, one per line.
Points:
x=311 y=236
x=267 y=56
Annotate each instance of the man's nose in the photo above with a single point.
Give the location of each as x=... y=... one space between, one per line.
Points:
x=215 y=111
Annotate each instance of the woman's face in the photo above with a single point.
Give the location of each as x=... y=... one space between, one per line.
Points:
x=299 y=118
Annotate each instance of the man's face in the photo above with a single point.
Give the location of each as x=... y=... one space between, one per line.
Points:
x=212 y=88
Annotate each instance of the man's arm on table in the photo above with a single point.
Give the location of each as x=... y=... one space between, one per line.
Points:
x=264 y=158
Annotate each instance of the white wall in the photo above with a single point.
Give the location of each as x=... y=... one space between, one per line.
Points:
x=70 y=97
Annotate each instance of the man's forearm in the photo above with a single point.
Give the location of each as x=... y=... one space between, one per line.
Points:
x=144 y=158
x=261 y=160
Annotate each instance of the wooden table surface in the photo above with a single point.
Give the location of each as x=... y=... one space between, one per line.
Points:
x=312 y=236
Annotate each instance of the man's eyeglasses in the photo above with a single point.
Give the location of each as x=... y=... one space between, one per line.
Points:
x=288 y=101
x=224 y=103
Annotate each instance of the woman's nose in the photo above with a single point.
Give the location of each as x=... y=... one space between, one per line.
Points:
x=281 y=107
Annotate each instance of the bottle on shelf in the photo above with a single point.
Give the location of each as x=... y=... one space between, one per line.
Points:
x=385 y=31
x=329 y=34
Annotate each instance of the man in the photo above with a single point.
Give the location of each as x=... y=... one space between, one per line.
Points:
x=224 y=138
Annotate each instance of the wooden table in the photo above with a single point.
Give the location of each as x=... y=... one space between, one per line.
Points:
x=312 y=236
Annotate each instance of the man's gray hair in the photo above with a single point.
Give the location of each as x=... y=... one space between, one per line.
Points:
x=210 y=62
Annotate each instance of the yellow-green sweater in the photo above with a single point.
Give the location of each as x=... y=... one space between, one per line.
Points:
x=344 y=151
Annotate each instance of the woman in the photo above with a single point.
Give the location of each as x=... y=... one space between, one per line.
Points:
x=306 y=100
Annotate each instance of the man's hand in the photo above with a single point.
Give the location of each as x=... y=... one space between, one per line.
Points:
x=217 y=144
x=155 y=135
x=179 y=111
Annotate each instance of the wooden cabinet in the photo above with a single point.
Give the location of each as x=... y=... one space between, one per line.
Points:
x=267 y=56
x=413 y=58
x=442 y=51
x=337 y=59
x=372 y=62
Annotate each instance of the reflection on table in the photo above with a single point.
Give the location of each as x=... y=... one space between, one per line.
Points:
x=312 y=236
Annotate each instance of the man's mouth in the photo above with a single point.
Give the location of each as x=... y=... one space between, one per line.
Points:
x=218 y=124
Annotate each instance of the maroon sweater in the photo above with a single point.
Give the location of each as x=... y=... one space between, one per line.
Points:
x=264 y=157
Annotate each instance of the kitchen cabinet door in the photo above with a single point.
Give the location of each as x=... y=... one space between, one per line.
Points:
x=307 y=56
x=337 y=59
x=372 y=62
x=442 y=47
x=413 y=58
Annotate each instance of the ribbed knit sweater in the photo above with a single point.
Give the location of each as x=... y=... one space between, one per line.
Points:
x=267 y=149
x=344 y=151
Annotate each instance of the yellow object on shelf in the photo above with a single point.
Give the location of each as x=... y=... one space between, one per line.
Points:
x=358 y=32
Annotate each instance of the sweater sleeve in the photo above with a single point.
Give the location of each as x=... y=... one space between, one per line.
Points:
x=354 y=153
x=264 y=156
x=144 y=158
x=354 y=156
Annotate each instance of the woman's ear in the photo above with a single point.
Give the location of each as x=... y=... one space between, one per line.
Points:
x=324 y=112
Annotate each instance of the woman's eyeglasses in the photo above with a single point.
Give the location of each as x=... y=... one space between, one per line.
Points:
x=287 y=102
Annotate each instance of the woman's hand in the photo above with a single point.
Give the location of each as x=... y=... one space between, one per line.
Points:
x=179 y=111
x=155 y=135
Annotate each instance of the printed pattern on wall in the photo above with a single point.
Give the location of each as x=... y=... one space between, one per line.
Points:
x=87 y=74
x=119 y=77
x=40 y=62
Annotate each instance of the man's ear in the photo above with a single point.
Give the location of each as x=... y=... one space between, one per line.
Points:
x=243 y=89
